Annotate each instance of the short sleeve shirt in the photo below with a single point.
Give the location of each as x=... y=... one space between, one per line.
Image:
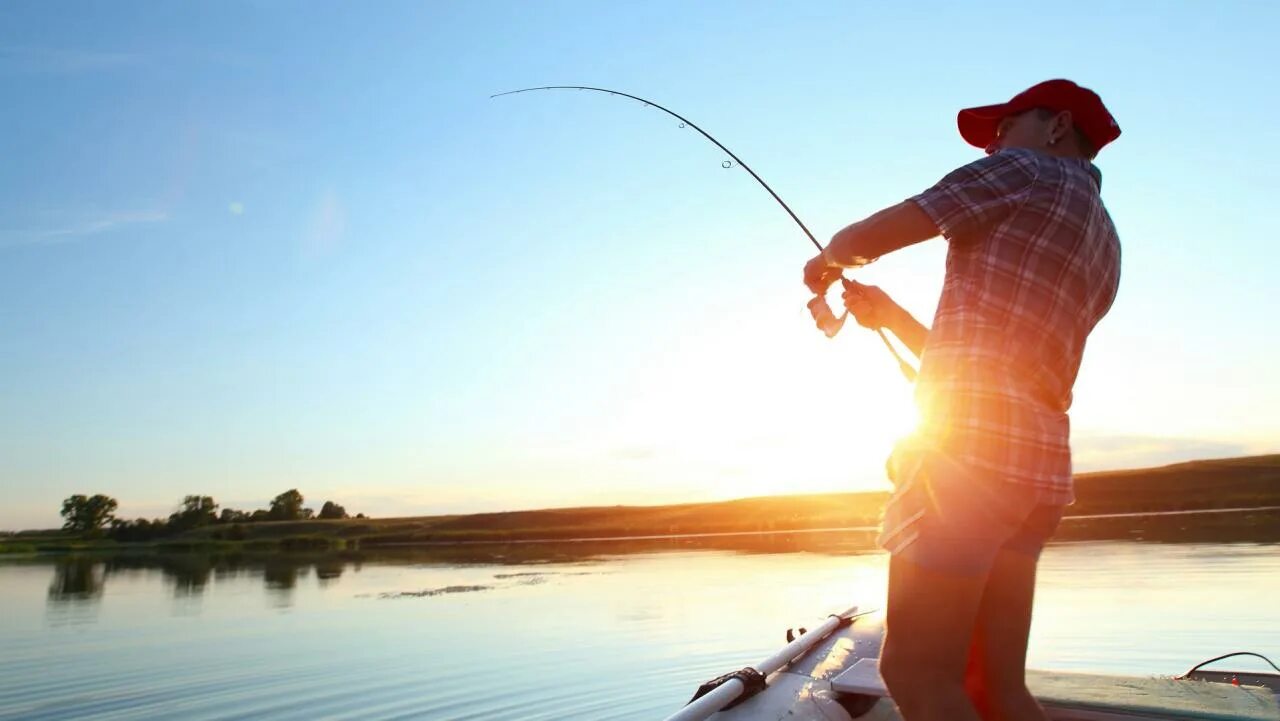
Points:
x=1033 y=264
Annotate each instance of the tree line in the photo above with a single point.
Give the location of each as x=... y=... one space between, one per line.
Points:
x=95 y=516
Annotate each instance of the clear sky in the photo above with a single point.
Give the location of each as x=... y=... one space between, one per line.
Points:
x=250 y=246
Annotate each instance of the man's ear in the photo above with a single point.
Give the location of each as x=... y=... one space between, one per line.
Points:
x=1060 y=128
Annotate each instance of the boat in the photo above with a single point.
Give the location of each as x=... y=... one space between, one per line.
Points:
x=830 y=673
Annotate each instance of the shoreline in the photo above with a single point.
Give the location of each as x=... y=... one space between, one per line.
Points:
x=1143 y=526
x=1191 y=497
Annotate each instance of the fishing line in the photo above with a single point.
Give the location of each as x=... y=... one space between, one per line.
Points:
x=818 y=307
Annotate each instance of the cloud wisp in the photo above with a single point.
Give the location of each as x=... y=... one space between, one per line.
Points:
x=24 y=58
x=80 y=229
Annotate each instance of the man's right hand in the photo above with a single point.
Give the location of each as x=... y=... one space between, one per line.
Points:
x=870 y=306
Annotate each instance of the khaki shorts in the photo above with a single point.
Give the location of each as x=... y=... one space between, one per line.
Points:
x=943 y=517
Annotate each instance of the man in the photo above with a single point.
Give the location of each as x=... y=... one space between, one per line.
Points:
x=1032 y=265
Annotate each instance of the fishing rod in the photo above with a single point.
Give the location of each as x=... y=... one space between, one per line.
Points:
x=818 y=307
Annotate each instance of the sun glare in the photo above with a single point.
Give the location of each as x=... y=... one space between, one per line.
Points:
x=722 y=416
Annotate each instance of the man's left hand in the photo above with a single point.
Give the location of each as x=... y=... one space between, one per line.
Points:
x=819 y=274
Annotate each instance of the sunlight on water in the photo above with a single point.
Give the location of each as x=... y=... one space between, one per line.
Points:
x=566 y=632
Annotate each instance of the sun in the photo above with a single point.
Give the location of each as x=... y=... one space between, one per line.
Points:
x=727 y=416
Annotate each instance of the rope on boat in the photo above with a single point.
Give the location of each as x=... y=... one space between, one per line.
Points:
x=1202 y=664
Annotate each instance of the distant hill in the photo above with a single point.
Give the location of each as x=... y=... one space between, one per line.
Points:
x=1226 y=483
x=1251 y=482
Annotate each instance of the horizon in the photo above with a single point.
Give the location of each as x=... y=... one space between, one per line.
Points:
x=779 y=496
x=251 y=247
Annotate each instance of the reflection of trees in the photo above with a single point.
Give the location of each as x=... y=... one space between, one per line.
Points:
x=329 y=569
x=229 y=570
x=77 y=579
x=83 y=579
x=281 y=574
x=189 y=574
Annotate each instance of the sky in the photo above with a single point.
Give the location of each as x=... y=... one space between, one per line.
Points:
x=253 y=246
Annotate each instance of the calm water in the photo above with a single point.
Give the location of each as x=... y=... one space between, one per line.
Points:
x=542 y=632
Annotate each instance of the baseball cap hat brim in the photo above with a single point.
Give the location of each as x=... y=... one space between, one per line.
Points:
x=978 y=125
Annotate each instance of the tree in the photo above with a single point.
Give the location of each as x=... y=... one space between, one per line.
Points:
x=332 y=510
x=88 y=514
x=287 y=506
x=231 y=515
x=138 y=530
x=203 y=506
x=195 y=511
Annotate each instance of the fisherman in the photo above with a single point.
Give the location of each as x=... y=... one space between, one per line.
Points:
x=1033 y=263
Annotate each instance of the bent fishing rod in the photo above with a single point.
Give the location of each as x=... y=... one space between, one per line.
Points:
x=818 y=307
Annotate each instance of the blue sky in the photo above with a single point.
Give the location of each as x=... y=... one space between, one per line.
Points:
x=250 y=246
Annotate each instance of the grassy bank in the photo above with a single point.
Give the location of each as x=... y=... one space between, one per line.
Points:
x=1252 y=482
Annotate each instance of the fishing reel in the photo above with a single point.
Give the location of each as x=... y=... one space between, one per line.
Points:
x=830 y=324
x=822 y=314
x=825 y=318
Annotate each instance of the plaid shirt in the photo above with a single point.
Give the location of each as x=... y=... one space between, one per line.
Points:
x=1032 y=266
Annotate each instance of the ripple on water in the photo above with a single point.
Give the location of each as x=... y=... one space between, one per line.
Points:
x=619 y=638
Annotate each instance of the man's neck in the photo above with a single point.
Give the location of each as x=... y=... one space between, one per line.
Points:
x=1059 y=151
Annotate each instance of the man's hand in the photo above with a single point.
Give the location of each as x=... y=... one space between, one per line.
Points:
x=870 y=306
x=820 y=273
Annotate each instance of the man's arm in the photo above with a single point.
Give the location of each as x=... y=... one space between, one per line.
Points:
x=910 y=331
x=873 y=308
x=891 y=229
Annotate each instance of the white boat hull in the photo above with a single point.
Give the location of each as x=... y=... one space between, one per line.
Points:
x=822 y=684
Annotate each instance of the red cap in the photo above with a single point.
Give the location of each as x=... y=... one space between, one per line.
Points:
x=978 y=125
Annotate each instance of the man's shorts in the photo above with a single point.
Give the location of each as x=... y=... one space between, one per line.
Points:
x=945 y=518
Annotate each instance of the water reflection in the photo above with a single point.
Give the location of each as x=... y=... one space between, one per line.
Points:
x=281 y=574
x=76 y=580
x=188 y=575
x=329 y=570
x=210 y=632
x=82 y=579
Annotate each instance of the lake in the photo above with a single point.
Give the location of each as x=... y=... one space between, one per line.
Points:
x=540 y=631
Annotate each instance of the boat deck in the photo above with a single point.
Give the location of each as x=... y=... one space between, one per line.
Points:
x=838 y=679
x=1084 y=696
